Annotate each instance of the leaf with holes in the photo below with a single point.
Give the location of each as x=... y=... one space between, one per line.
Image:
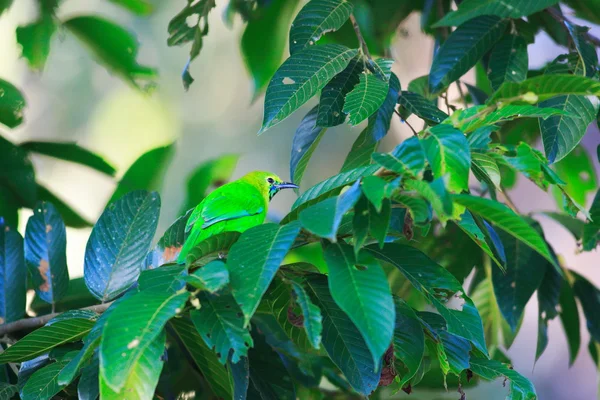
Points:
x=306 y=139
x=315 y=19
x=118 y=244
x=508 y=61
x=13 y=275
x=46 y=253
x=366 y=98
x=300 y=77
x=520 y=387
x=416 y=104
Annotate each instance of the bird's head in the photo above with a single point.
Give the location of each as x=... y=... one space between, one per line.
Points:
x=268 y=183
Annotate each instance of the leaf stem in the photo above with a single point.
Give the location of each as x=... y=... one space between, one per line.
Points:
x=462 y=94
x=359 y=36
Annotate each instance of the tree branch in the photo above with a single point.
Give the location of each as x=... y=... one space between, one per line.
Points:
x=37 y=322
x=561 y=18
x=359 y=36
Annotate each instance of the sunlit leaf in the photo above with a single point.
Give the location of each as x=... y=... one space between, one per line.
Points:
x=365 y=98
x=165 y=279
x=35 y=39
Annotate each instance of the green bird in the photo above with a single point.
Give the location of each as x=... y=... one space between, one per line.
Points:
x=236 y=206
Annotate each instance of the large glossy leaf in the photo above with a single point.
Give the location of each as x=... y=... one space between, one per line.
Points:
x=313 y=320
x=43 y=384
x=505 y=219
x=324 y=218
x=364 y=295
x=221 y=328
x=264 y=40
x=12 y=104
x=13 y=275
x=448 y=153
x=16 y=173
x=520 y=387
x=365 y=98
x=300 y=77
x=169 y=246
x=478 y=117
x=463 y=48
x=118 y=244
x=508 y=61
x=473 y=8
x=316 y=18
x=46 y=253
x=112 y=45
x=409 y=341
x=561 y=133
x=141 y=380
x=342 y=340
x=165 y=279
x=46 y=338
x=306 y=139
x=211 y=249
x=407 y=158
x=70 y=151
x=379 y=123
x=544 y=87
x=495 y=328
x=205 y=359
x=433 y=281
x=416 y=104
x=130 y=329
x=253 y=261
x=35 y=39
x=146 y=173
x=331 y=103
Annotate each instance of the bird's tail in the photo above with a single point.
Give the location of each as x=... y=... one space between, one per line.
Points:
x=188 y=245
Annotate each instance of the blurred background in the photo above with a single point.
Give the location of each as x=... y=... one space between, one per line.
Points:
x=75 y=99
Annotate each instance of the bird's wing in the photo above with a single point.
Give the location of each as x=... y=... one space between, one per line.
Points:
x=225 y=205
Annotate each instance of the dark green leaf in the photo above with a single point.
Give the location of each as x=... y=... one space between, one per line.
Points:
x=313 y=320
x=253 y=261
x=331 y=103
x=508 y=61
x=88 y=386
x=586 y=51
x=379 y=123
x=112 y=45
x=361 y=151
x=409 y=341
x=212 y=277
x=406 y=158
x=416 y=104
x=376 y=190
x=315 y=19
x=591 y=230
x=43 y=384
x=131 y=333
x=46 y=338
x=473 y=8
x=211 y=249
x=167 y=279
x=269 y=378
x=300 y=77
x=365 y=98
x=209 y=174
x=9 y=206
x=12 y=103
x=118 y=244
x=342 y=340
x=240 y=377
x=146 y=173
x=435 y=193
x=520 y=387
x=169 y=246
x=463 y=48
x=13 y=285
x=7 y=391
x=35 y=39
x=569 y=318
x=586 y=9
x=16 y=171
x=482 y=236
x=306 y=139
x=548 y=300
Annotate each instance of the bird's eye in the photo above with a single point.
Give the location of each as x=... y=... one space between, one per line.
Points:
x=270 y=180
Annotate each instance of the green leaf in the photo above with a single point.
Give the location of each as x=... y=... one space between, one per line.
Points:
x=473 y=8
x=362 y=292
x=543 y=87
x=486 y=170
x=548 y=295
x=88 y=387
x=562 y=133
x=376 y=190
x=569 y=318
x=508 y=61
x=269 y=376
x=240 y=378
x=505 y=219
x=406 y=158
x=43 y=384
x=77 y=363
x=8 y=391
x=35 y=39
x=520 y=387
x=46 y=338
x=591 y=229
x=46 y=253
x=589 y=298
x=481 y=233
x=494 y=326
x=447 y=150
x=463 y=48
x=586 y=9
x=331 y=103
x=130 y=330
x=112 y=45
x=70 y=151
x=525 y=270
x=366 y=98
x=313 y=320
x=409 y=342
x=306 y=139
x=141 y=380
x=253 y=261
x=13 y=285
x=379 y=123
x=315 y=19
x=167 y=279
x=437 y=284
x=140 y=7
x=300 y=77
x=323 y=219
x=169 y=246
x=118 y=244
x=211 y=249
x=221 y=327
x=69 y=216
x=12 y=104
x=205 y=359
x=264 y=40
x=416 y=104
x=146 y=173
x=578 y=173
x=212 y=277
x=586 y=51
x=9 y=206
x=5 y=5
x=342 y=340
x=361 y=151
x=16 y=171
x=435 y=193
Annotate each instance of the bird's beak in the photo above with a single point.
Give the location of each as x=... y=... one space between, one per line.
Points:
x=286 y=185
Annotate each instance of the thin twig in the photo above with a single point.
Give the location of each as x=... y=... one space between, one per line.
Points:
x=462 y=94
x=509 y=201
x=359 y=36
x=31 y=323
x=407 y=123
x=445 y=97
x=561 y=18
